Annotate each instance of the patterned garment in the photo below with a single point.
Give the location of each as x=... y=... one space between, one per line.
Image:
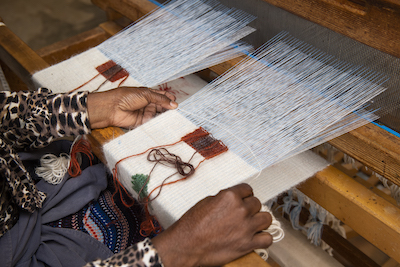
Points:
x=108 y=220
x=139 y=255
x=32 y=119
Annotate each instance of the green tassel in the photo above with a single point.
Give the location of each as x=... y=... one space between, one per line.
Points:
x=138 y=180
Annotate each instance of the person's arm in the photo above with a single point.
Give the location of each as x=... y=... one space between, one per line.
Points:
x=217 y=230
x=32 y=119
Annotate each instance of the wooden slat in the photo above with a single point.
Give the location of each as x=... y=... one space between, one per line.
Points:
x=132 y=9
x=19 y=57
x=15 y=83
x=373 y=147
x=111 y=27
x=368 y=214
x=65 y=49
x=375 y=23
x=347 y=251
x=99 y=137
x=249 y=260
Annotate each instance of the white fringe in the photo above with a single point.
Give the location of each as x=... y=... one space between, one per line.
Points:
x=275 y=230
x=394 y=189
x=53 y=168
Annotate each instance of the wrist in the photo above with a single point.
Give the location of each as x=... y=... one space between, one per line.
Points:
x=100 y=109
x=174 y=251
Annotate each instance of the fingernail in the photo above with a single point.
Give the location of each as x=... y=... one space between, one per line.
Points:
x=173 y=104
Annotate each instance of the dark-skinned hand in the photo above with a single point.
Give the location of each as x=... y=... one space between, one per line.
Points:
x=216 y=230
x=127 y=107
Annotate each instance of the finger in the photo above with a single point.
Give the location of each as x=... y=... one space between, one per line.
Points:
x=262 y=240
x=149 y=112
x=160 y=109
x=261 y=221
x=252 y=204
x=242 y=190
x=170 y=96
x=139 y=117
x=167 y=94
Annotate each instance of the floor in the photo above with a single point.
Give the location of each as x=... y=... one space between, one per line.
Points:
x=43 y=22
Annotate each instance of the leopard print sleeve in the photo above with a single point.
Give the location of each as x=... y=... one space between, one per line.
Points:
x=142 y=254
x=32 y=119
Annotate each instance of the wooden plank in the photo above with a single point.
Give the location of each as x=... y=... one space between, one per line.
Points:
x=111 y=27
x=375 y=190
x=375 y=23
x=65 y=49
x=99 y=137
x=19 y=57
x=128 y=8
x=371 y=216
x=249 y=260
x=373 y=147
x=345 y=249
x=15 y=83
x=391 y=263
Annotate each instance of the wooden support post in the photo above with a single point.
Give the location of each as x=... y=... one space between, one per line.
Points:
x=18 y=56
x=371 y=216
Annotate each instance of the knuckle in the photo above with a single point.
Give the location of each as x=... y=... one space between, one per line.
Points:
x=227 y=194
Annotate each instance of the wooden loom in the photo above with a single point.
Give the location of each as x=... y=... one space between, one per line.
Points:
x=337 y=192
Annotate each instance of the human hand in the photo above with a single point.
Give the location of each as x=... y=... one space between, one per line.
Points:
x=216 y=230
x=127 y=107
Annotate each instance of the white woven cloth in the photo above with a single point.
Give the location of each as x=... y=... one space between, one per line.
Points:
x=213 y=175
x=76 y=71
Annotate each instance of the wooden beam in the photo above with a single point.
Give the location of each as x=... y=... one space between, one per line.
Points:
x=375 y=23
x=371 y=216
x=249 y=260
x=67 y=48
x=128 y=8
x=99 y=137
x=373 y=147
x=19 y=57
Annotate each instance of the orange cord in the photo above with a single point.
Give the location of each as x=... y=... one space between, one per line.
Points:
x=81 y=146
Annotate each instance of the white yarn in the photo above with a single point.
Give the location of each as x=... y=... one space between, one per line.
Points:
x=263 y=253
x=53 y=168
x=394 y=189
x=182 y=37
x=285 y=98
x=277 y=105
x=275 y=230
x=349 y=160
x=177 y=39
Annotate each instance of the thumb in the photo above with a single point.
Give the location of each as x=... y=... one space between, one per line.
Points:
x=159 y=99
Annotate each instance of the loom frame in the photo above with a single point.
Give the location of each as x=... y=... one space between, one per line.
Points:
x=371 y=145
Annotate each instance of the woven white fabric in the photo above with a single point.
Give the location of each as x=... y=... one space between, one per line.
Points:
x=72 y=73
x=212 y=176
x=69 y=74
